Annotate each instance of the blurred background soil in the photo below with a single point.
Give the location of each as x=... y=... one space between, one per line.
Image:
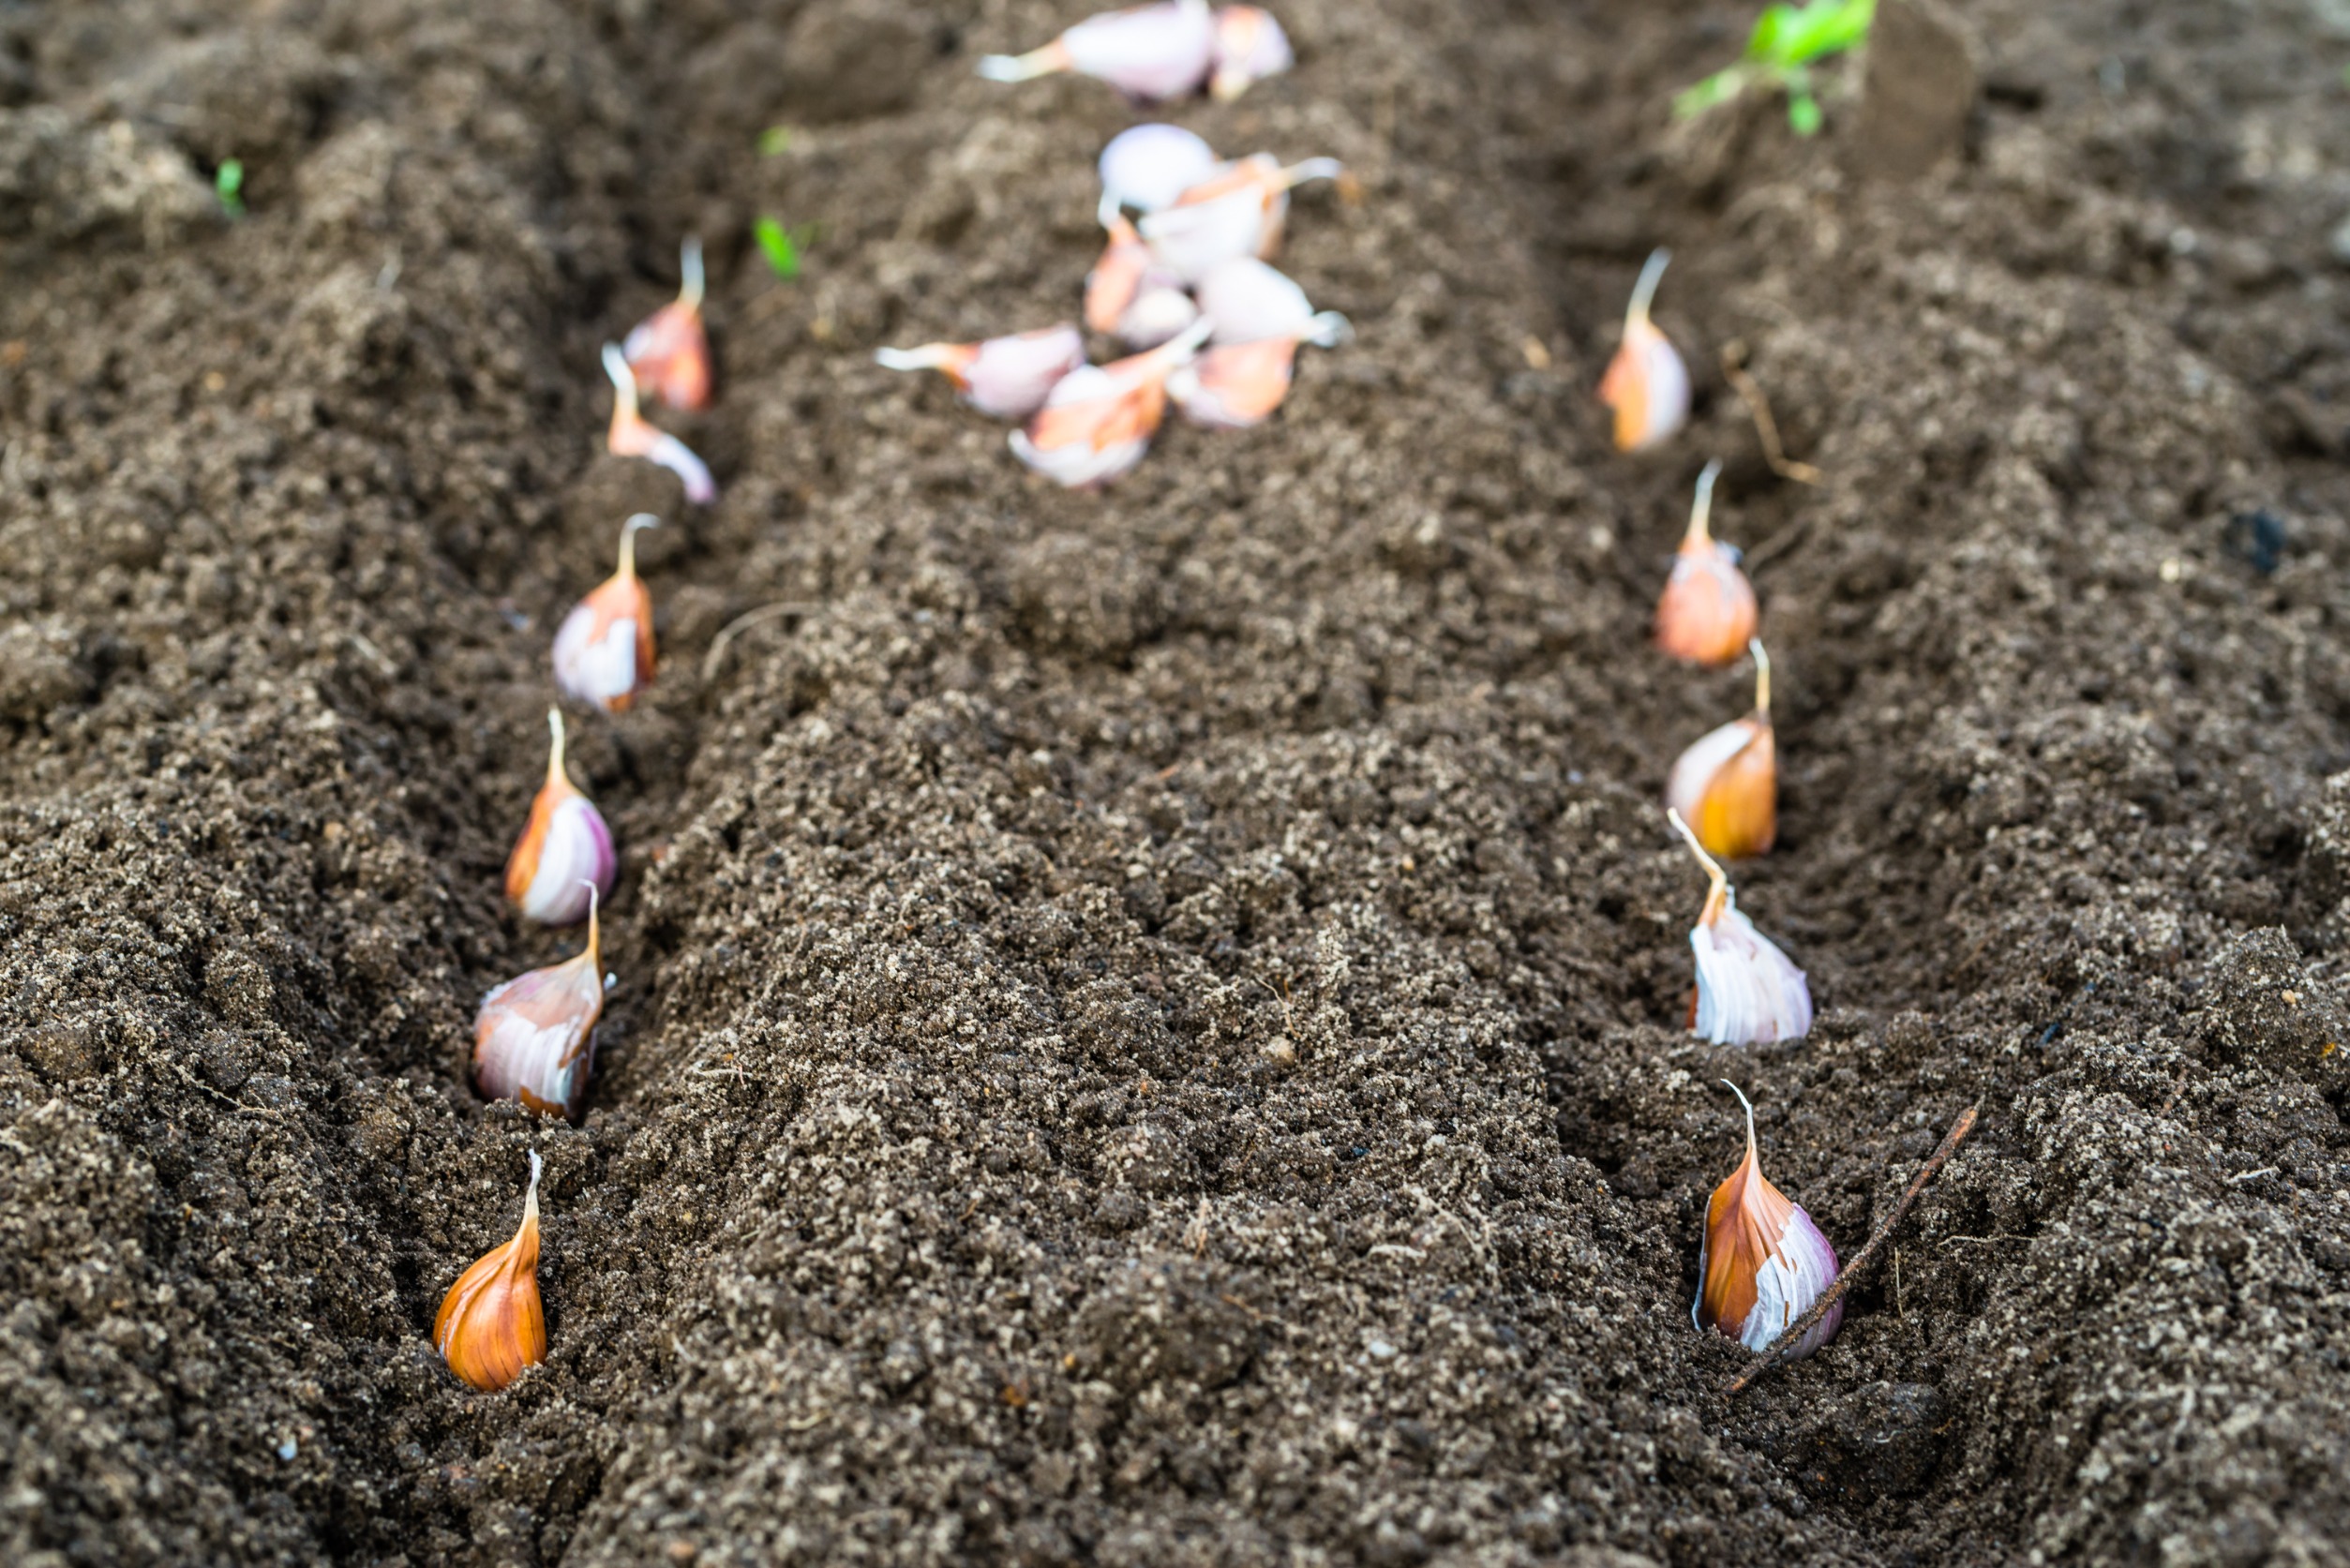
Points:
x=1148 y=1025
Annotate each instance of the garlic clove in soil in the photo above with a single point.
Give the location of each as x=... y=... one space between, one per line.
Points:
x=1098 y=421
x=668 y=351
x=565 y=858
x=604 y=651
x=492 y=1324
x=1747 y=991
x=1161 y=312
x=1117 y=278
x=1250 y=301
x=1238 y=212
x=1646 y=385
x=534 y=1036
x=1762 y=1261
x=1006 y=378
x=1726 y=785
x=1707 y=613
x=1249 y=47
x=1146 y=167
x=1147 y=52
x=631 y=436
x=1236 y=385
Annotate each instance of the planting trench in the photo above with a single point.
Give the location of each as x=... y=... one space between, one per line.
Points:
x=1149 y=1023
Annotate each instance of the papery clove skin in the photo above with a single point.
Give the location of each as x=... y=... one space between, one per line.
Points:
x=1161 y=311
x=1707 y=613
x=1146 y=167
x=604 y=650
x=1147 y=53
x=1117 y=278
x=1239 y=212
x=1236 y=385
x=668 y=352
x=1098 y=421
x=1005 y=378
x=565 y=858
x=1249 y=47
x=633 y=436
x=1646 y=385
x=534 y=1036
x=492 y=1323
x=1762 y=1261
x=1726 y=785
x=1747 y=991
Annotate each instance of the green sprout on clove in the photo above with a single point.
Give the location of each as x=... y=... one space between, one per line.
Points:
x=782 y=246
x=228 y=184
x=1787 y=40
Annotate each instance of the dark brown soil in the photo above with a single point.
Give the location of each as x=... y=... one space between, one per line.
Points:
x=1147 y=1028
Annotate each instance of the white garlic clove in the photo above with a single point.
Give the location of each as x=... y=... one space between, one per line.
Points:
x=534 y=1036
x=604 y=650
x=1005 y=378
x=1747 y=991
x=1249 y=47
x=1249 y=300
x=1147 y=167
x=1148 y=52
x=1160 y=313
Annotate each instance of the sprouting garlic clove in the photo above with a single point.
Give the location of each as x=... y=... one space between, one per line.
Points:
x=1249 y=47
x=1099 y=422
x=1747 y=991
x=668 y=352
x=1646 y=385
x=534 y=1036
x=1238 y=212
x=1726 y=785
x=492 y=1323
x=1762 y=1261
x=1004 y=378
x=1146 y=167
x=1707 y=613
x=604 y=650
x=565 y=849
x=633 y=436
x=1147 y=53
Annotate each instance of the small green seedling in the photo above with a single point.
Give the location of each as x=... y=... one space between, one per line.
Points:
x=1786 y=42
x=228 y=184
x=774 y=141
x=782 y=246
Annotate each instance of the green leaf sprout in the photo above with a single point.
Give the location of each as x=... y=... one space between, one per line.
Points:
x=774 y=141
x=782 y=256
x=228 y=184
x=1787 y=40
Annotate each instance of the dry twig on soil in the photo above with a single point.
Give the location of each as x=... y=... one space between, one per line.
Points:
x=1766 y=428
x=1793 y=1334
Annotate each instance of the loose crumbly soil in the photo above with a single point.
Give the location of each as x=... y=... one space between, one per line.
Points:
x=1148 y=1025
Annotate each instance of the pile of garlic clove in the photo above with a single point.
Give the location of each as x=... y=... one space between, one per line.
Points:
x=1184 y=285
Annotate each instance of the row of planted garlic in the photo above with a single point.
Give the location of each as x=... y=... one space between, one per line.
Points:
x=1762 y=1260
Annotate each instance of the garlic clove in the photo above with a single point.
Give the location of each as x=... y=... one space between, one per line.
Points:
x=1747 y=991
x=1146 y=167
x=492 y=1324
x=565 y=848
x=631 y=436
x=1160 y=311
x=534 y=1036
x=604 y=650
x=1726 y=785
x=1117 y=278
x=1147 y=52
x=1098 y=422
x=1238 y=212
x=1762 y=1261
x=1707 y=613
x=1249 y=302
x=1249 y=47
x=668 y=352
x=1005 y=378
x=1234 y=387
x=1646 y=385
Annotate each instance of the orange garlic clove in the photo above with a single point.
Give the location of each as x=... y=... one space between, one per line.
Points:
x=1646 y=385
x=1762 y=1261
x=633 y=436
x=1162 y=50
x=492 y=1324
x=565 y=855
x=1707 y=613
x=668 y=352
x=1100 y=419
x=1236 y=385
x=534 y=1036
x=1117 y=278
x=1747 y=990
x=604 y=650
x=1726 y=785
